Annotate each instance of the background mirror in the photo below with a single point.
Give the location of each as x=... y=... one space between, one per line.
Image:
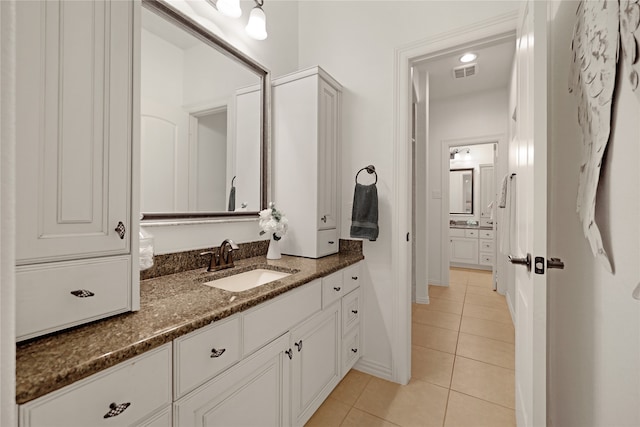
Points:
x=201 y=125
x=461 y=191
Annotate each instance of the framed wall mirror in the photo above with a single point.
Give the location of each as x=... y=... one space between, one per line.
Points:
x=204 y=121
x=461 y=191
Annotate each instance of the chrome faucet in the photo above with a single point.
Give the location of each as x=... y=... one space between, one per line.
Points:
x=223 y=258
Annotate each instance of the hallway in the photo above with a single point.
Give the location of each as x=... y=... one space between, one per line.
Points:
x=462 y=366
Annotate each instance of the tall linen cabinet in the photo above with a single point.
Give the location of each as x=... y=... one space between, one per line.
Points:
x=77 y=114
x=306 y=169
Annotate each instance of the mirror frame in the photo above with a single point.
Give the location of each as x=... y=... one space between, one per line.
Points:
x=472 y=170
x=192 y=27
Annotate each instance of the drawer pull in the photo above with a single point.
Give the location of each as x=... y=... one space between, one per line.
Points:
x=354 y=277
x=355 y=350
x=289 y=353
x=331 y=242
x=324 y=219
x=82 y=293
x=217 y=353
x=116 y=409
x=337 y=288
x=121 y=230
x=299 y=345
x=354 y=311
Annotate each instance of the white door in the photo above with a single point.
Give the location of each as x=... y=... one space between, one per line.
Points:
x=527 y=159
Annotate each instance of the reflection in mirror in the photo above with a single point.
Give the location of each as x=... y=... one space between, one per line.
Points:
x=461 y=191
x=201 y=123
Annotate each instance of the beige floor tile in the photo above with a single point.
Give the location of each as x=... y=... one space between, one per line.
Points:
x=480 y=278
x=416 y=404
x=486 y=328
x=445 y=305
x=487 y=313
x=434 y=338
x=436 y=318
x=487 y=350
x=453 y=293
x=351 y=386
x=481 y=290
x=484 y=381
x=358 y=418
x=432 y=366
x=458 y=276
x=488 y=300
x=467 y=411
x=330 y=413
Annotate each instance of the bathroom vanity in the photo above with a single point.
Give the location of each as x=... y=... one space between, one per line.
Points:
x=472 y=246
x=198 y=355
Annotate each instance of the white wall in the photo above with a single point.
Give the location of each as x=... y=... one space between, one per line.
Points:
x=354 y=41
x=476 y=115
x=594 y=324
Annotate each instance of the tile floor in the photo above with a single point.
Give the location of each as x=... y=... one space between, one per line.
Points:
x=462 y=366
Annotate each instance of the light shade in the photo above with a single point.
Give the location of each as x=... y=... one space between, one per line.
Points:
x=468 y=57
x=257 y=25
x=229 y=8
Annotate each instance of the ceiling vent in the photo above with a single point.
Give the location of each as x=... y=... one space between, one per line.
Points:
x=464 y=71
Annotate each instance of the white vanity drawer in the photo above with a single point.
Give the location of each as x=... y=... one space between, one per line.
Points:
x=456 y=232
x=350 y=311
x=350 y=351
x=351 y=278
x=273 y=318
x=332 y=288
x=486 y=245
x=143 y=382
x=486 y=234
x=470 y=233
x=203 y=353
x=327 y=242
x=486 y=259
x=54 y=296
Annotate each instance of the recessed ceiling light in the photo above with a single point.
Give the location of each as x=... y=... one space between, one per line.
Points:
x=468 y=57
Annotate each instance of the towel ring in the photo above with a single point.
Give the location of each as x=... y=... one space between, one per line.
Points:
x=370 y=169
x=233 y=179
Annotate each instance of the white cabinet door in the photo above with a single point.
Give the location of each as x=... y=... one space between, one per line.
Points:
x=74 y=128
x=253 y=393
x=316 y=362
x=327 y=156
x=464 y=250
x=487 y=191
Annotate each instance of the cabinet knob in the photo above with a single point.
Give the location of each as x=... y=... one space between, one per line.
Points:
x=331 y=242
x=337 y=288
x=217 y=353
x=324 y=219
x=82 y=293
x=355 y=350
x=354 y=311
x=121 y=230
x=354 y=277
x=299 y=345
x=116 y=409
x=289 y=353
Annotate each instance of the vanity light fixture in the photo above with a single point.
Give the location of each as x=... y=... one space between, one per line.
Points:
x=454 y=154
x=229 y=8
x=257 y=25
x=468 y=57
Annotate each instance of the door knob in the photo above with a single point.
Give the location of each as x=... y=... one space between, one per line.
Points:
x=521 y=261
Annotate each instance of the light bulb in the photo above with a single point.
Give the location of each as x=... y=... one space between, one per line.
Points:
x=257 y=25
x=229 y=8
x=468 y=57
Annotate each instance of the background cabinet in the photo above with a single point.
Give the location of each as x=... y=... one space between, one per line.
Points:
x=306 y=129
x=472 y=248
x=75 y=151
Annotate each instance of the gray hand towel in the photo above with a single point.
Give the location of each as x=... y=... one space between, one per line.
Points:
x=232 y=199
x=364 y=216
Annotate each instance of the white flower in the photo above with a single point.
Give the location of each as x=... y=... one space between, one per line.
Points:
x=273 y=222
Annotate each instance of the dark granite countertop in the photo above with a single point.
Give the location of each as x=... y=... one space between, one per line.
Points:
x=171 y=306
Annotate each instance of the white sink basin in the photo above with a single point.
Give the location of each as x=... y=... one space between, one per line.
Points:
x=247 y=280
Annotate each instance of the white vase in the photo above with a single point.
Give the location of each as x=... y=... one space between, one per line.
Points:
x=274 y=249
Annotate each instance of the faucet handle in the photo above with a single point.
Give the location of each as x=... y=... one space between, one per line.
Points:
x=215 y=259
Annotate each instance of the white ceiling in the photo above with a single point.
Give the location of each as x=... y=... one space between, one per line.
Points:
x=493 y=72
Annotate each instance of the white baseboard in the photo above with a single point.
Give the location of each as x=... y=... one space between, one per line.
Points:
x=374 y=368
x=422 y=300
